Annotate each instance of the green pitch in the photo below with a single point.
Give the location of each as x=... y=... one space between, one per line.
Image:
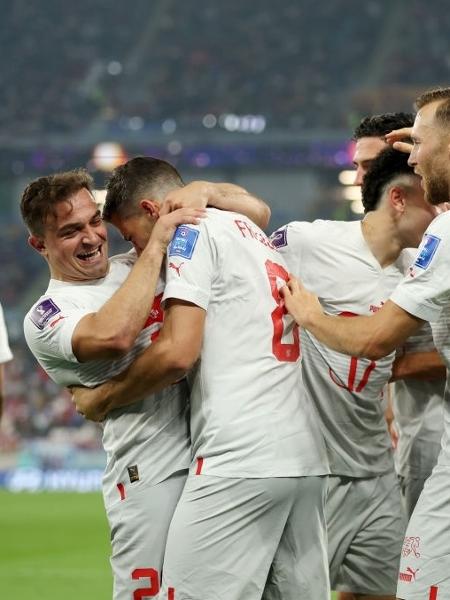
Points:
x=54 y=546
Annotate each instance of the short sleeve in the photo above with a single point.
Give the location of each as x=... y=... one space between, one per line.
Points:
x=49 y=327
x=426 y=289
x=192 y=262
x=290 y=241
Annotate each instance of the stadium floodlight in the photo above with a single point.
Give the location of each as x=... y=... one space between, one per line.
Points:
x=108 y=155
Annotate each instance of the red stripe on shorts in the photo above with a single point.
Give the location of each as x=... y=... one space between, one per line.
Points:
x=121 y=489
x=170 y=593
x=199 y=465
x=433 y=593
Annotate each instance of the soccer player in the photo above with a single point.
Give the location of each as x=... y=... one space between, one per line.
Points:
x=424 y=295
x=417 y=394
x=369 y=137
x=5 y=356
x=94 y=319
x=252 y=510
x=353 y=267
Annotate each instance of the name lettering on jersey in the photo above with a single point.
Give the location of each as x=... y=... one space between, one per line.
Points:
x=43 y=312
x=250 y=233
x=427 y=250
x=279 y=238
x=183 y=242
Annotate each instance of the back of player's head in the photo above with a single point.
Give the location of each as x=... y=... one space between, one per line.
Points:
x=389 y=168
x=143 y=177
x=442 y=114
x=40 y=197
x=380 y=125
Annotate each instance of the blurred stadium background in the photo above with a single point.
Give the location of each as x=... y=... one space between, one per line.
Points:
x=261 y=93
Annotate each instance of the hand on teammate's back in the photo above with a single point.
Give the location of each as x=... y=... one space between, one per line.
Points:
x=400 y=139
x=299 y=302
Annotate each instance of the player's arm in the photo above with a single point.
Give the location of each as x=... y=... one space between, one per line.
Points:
x=370 y=337
x=167 y=360
x=112 y=330
x=225 y=196
x=426 y=366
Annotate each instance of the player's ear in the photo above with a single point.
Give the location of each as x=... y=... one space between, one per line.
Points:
x=151 y=207
x=37 y=243
x=397 y=199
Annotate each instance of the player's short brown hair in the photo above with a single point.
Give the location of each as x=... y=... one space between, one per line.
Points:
x=442 y=114
x=139 y=178
x=41 y=196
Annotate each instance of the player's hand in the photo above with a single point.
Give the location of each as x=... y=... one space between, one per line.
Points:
x=300 y=303
x=194 y=195
x=91 y=403
x=398 y=139
x=167 y=223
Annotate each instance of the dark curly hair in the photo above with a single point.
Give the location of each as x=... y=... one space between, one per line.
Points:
x=380 y=125
x=388 y=167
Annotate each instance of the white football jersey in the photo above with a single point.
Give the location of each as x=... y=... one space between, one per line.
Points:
x=418 y=410
x=249 y=414
x=425 y=293
x=5 y=351
x=151 y=434
x=333 y=260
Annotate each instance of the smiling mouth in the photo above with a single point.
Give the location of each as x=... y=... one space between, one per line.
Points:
x=89 y=256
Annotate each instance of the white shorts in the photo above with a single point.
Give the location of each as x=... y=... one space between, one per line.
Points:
x=425 y=561
x=227 y=533
x=366 y=525
x=411 y=488
x=139 y=524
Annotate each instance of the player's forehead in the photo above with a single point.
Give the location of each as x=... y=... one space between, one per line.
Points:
x=424 y=122
x=78 y=208
x=367 y=148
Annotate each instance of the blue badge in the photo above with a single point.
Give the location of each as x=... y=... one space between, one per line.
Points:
x=183 y=242
x=427 y=250
x=43 y=312
x=279 y=238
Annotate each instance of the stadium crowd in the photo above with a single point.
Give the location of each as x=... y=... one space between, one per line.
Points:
x=172 y=57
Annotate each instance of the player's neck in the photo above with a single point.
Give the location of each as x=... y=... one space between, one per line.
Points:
x=380 y=234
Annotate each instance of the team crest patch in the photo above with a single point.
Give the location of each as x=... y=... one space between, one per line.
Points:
x=133 y=473
x=183 y=242
x=43 y=312
x=279 y=238
x=427 y=250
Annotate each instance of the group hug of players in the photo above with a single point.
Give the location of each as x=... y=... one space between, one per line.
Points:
x=248 y=457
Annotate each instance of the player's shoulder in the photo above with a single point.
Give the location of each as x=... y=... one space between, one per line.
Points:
x=301 y=233
x=45 y=311
x=440 y=226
